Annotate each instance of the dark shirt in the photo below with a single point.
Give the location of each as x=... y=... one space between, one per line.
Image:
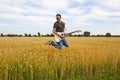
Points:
x=59 y=26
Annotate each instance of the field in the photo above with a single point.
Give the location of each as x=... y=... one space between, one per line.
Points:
x=27 y=58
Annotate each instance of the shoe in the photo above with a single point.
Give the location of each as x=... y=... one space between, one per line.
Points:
x=48 y=43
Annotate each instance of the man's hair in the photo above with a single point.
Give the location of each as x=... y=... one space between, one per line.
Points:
x=58 y=15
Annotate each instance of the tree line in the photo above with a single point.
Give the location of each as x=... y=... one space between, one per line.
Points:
x=85 y=34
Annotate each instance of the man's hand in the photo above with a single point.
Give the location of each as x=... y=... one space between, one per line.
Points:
x=61 y=36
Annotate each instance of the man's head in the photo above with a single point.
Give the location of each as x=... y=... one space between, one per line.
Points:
x=58 y=17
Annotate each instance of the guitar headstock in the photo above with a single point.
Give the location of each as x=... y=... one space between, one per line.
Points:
x=75 y=31
x=78 y=31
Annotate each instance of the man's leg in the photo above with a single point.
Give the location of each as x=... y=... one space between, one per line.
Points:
x=65 y=43
x=56 y=44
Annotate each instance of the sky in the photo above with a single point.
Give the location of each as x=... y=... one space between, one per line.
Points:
x=33 y=16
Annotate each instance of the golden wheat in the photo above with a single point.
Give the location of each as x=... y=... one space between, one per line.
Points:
x=27 y=58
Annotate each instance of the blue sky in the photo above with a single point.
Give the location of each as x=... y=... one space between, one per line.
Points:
x=33 y=16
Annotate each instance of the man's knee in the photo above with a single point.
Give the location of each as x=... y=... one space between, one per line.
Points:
x=60 y=47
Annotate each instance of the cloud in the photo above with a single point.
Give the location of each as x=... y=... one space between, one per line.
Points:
x=74 y=12
x=54 y=4
x=10 y=9
x=113 y=4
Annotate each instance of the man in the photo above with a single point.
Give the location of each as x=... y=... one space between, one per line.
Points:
x=59 y=27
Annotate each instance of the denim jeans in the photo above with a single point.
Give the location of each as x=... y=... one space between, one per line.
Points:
x=60 y=44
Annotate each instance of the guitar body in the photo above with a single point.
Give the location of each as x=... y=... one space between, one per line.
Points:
x=58 y=39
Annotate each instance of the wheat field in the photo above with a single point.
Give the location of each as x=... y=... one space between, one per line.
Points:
x=87 y=58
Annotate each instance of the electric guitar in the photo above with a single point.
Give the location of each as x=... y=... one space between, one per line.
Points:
x=58 y=38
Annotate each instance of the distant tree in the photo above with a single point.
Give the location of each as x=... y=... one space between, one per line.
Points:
x=12 y=35
x=70 y=35
x=34 y=35
x=79 y=35
x=108 y=34
x=93 y=35
x=51 y=34
x=100 y=35
x=39 y=34
x=25 y=34
x=29 y=35
x=86 y=33
x=74 y=35
x=2 y=35
x=20 y=35
x=48 y=35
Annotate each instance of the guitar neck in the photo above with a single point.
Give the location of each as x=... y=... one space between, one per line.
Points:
x=71 y=32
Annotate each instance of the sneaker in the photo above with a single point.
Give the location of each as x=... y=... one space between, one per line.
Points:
x=48 y=43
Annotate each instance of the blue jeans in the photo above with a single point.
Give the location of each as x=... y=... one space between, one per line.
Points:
x=59 y=44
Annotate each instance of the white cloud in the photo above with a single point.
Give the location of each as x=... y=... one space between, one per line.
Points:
x=29 y=12
x=37 y=11
x=13 y=2
x=4 y=25
x=109 y=3
x=102 y=14
x=53 y=4
x=10 y=9
x=81 y=1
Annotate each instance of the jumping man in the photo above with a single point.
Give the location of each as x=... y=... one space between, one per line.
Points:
x=59 y=33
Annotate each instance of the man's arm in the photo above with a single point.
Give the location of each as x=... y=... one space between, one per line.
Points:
x=56 y=33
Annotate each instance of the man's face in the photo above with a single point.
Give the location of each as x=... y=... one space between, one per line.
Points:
x=58 y=18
